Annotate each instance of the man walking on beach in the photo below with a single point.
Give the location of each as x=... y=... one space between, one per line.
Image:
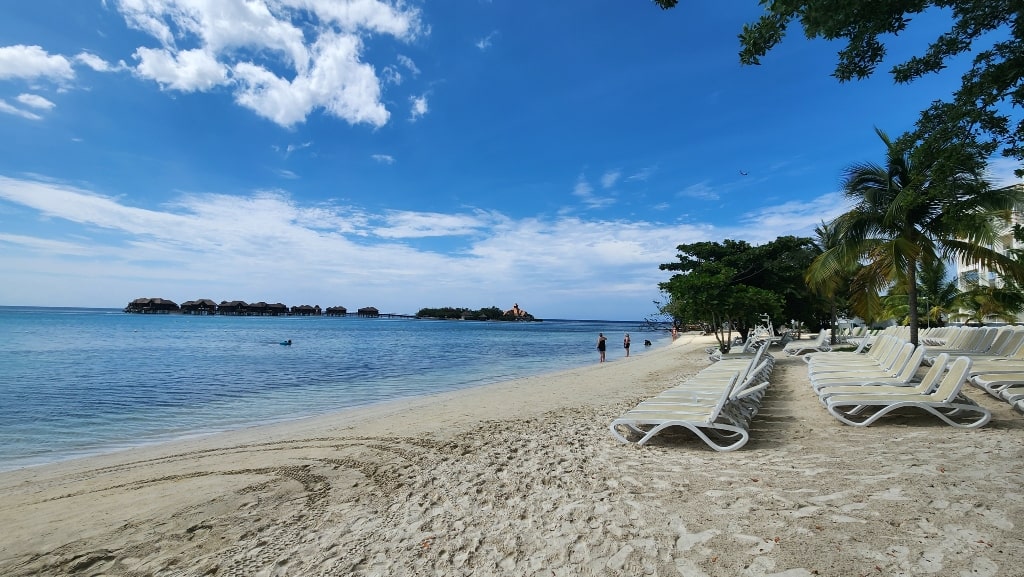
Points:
x=601 y=344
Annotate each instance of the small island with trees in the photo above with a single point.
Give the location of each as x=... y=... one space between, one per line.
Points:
x=485 y=314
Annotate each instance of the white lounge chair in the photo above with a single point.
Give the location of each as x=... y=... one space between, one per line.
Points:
x=820 y=344
x=946 y=402
x=927 y=384
x=902 y=371
x=722 y=421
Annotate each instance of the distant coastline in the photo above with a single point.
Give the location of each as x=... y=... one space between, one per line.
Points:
x=209 y=307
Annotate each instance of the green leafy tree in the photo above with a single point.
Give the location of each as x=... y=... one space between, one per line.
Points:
x=729 y=285
x=917 y=208
x=987 y=105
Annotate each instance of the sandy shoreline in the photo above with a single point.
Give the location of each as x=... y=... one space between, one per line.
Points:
x=523 y=478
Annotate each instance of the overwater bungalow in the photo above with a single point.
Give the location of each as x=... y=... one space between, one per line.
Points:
x=199 y=307
x=306 y=311
x=233 y=308
x=368 y=312
x=337 y=311
x=152 y=306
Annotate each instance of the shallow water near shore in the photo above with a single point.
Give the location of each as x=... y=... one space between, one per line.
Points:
x=77 y=382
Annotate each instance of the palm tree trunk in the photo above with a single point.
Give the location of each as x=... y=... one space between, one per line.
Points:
x=912 y=300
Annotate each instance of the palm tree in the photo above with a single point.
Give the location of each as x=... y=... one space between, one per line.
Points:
x=829 y=288
x=941 y=295
x=984 y=302
x=920 y=207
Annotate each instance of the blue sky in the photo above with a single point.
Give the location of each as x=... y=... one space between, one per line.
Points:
x=416 y=154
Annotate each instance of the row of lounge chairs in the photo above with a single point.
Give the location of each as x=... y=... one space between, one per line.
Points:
x=997 y=358
x=717 y=404
x=860 y=389
x=857 y=387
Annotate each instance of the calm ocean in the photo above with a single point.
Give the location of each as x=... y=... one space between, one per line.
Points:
x=75 y=382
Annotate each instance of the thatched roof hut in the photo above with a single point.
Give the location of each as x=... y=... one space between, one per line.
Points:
x=338 y=311
x=233 y=308
x=368 y=312
x=199 y=307
x=306 y=310
x=151 y=305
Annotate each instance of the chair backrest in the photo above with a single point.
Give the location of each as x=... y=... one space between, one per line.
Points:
x=1010 y=345
x=959 y=338
x=739 y=389
x=985 y=340
x=886 y=359
x=903 y=355
x=997 y=345
x=909 y=369
x=934 y=375
x=724 y=399
x=950 y=385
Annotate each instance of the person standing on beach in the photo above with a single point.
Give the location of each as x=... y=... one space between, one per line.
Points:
x=625 y=344
x=601 y=344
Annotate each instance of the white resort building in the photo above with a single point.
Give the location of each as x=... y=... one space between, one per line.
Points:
x=979 y=275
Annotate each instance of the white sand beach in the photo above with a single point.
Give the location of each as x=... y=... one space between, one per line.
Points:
x=523 y=478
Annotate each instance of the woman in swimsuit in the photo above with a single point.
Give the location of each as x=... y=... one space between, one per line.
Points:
x=601 y=344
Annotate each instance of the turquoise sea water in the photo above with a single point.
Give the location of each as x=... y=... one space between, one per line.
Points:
x=76 y=382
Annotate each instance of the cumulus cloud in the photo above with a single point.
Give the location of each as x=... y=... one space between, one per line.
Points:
x=95 y=62
x=187 y=70
x=267 y=243
x=419 y=106
x=283 y=59
x=32 y=62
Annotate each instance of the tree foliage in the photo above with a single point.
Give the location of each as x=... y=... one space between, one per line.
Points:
x=728 y=286
x=484 y=314
x=985 y=303
x=917 y=208
x=986 y=107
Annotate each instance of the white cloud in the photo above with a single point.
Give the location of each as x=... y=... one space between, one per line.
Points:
x=408 y=64
x=407 y=224
x=268 y=246
x=796 y=217
x=95 y=62
x=35 y=101
x=32 y=62
x=391 y=75
x=585 y=192
x=642 y=174
x=383 y=158
x=486 y=42
x=609 y=178
x=283 y=58
x=7 y=108
x=187 y=70
x=290 y=148
x=419 y=106
x=701 y=191
x=284 y=173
